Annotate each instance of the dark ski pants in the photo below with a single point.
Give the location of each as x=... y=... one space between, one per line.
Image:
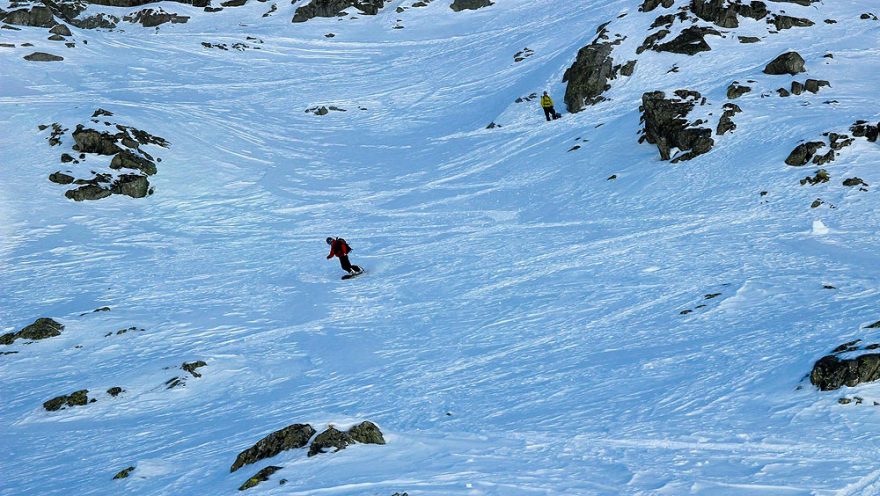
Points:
x=549 y=113
x=347 y=266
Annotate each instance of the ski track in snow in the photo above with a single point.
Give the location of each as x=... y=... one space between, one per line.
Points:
x=519 y=331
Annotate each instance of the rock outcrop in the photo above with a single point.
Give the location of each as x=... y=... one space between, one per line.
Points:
x=834 y=371
x=667 y=127
x=77 y=398
x=803 y=153
x=291 y=437
x=725 y=14
x=588 y=77
x=787 y=63
x=149 y=18
x=333 y=8
x=42 y=328
x=459 y=5
x=38 y=16
x=43 y=57
x=366 y=432
x=261 y=476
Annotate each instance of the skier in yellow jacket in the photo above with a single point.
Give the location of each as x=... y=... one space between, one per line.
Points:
x=547 y=105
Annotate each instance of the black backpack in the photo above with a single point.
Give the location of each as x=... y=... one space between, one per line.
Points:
x=346 y=248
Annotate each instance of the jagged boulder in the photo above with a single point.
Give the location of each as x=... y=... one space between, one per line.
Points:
x=38 y=16
x=667 y=127
x=261 y=476
x=124 y=473
x=725 y=14
x=88 y=192
x=787 y=22
x=133 y=185
x=690 y=41
x=77 y=398
x=333 y=8
x=128 y=160
x=588 y=77
x=649 y=5
x=43 y=57
x=291 y=437
x=803 y=153
x=459 y=5
x=91 y=141
x=42 y=328
x=61 y=30
x=330 y=438
x=149 y=18
x=787 y=63
x=725 y=123
x=736 y=90
x=861 y=129
x=366 y=433
x=832 y=372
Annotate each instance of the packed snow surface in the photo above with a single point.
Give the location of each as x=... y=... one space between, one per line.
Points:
x=519 y=330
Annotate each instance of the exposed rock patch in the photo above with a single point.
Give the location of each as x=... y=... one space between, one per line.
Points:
x=124 y=473
x=43 y=57
x=77 y=398
x=725 y=123
x=803 y=153
x=366 y=432
x=834 y=371
x=42 y=328
x=149 y=18
x=667 y=127
x=735 y=90
x=690 y=41
x=787 y=63
x=459 y=5
x=291 y=437
x=333 y=8
x=261 y=476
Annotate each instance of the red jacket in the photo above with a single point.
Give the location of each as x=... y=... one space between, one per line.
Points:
x=339 y=249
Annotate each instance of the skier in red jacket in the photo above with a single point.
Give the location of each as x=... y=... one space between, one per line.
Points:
x=339 y=248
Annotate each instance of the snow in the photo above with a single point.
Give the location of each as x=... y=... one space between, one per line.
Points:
x=519 y=330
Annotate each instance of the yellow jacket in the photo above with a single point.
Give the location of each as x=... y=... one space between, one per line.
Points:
x=546 y=101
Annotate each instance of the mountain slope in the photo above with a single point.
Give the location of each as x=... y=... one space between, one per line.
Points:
x=520 y=328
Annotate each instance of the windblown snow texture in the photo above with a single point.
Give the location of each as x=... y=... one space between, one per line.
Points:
x=528 y=327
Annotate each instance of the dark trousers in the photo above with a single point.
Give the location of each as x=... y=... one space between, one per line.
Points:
x=549 y=112
x=346 y=264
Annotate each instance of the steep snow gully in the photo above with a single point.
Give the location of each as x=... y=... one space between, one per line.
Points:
x=550 y=307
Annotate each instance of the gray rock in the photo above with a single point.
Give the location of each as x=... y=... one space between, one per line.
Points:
x=824 y=159
x=787 y=63
x=149 y=18
x=115 y=391
x=649 y=5
x=192 y=366
x=854 y=181
x=735 y=90
x=43 y=57
x=667 y=127
x=724 y=14
x=122 y=474
x=128 y=160
x=748 y=39
x=786 y=22
x=725 y=123
x=333 y=8
x=796 y=88
x=92 y=141
x=88 y=192
x=261 y=476
x=291 y=437
x=803 y=153
x=366 y=433
x=588 y=77
x=42 y=328
x=813 y=85
x=821 y=176
x=459 y=5
x=831 y=372
x=690 y=41
x=77 y=398
x=133 y=185
x=61 y=29
x=39 y=16
x=60 y=178
x=330 y=439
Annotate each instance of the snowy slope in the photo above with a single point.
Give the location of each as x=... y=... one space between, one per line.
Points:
x=519 y=331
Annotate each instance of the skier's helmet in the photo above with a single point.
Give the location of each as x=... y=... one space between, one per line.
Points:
x=329 y=240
